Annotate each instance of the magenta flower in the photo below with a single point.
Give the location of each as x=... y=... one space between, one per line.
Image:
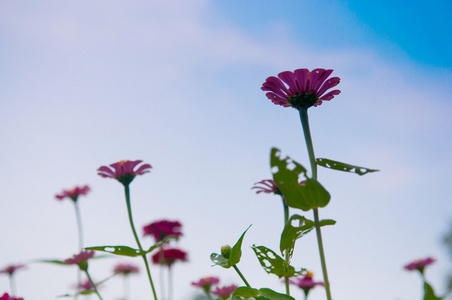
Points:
x=74 y=193
x=85 y=286
x=206 y=282
x=162 y=229
x=123 y=171
x=266 y=186
x=306 y=283
x=224 y=292
x=11 y=269
x=125 y=269
x=419 y=264
x=169 y=256
x=304 y=90
x=7 y=297
x=80 y=259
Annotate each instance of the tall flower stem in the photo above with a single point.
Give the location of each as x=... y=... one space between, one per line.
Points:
x=93 y=284
x=307 y=135
x=143 y=255
x=12 y=284
x=80 y=240
x=241 y=276
x=286 y=218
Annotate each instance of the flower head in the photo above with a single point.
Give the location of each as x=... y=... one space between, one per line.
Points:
x=206 y=282
x=162 y=229
x=74 y=193
x=306 y=283
x=224 y=292
x=11 y=269
x=80 y=259
x=266 y=186
x=123 y=171
x=169 y=256
x=305 y=88
x=125 y=269
x=419 y=264
x=7 y=297
x=85 y=286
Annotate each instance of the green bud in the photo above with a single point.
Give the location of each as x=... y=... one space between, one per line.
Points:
x=226 y=251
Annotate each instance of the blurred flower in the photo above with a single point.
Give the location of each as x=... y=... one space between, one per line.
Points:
x=305 y=88
x=7 y=297
x=305 y=283
x=419 y=264
x=123 y=170
x=169 y=256
x=80 y=259
x=74 y=193
x=266 y=186
x=206 y=282
x=11 y=269
x=224 y=292
x=162 y=229
x=125 y=269
x=85 y=286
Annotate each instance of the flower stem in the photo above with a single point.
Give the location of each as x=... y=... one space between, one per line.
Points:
x=12 y=284
x=241 y=275
x=80 y=240
x=93 y=284
x=129 y=211
x=286 y=218
x=307 y=135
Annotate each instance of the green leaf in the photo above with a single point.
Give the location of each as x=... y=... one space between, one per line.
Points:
x=52 y=261
x=429 y=293
x=291 y=233
x=336 y=165
x=287 y=173
x=234 y=256
x=244 y=292
x=273 y=263
x=272 y=295
x=118 y=250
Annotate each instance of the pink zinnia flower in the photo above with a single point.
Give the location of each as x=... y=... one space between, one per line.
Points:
x=304 y=88
x=162 y=229
x=125 y=269
x=85 y=286
x=7 y=297
x=224 y=292
x=206 y=282
x=11 y=269
x=266 y=186
x=74 y=193
x=306 y=283
x=419 y=264
x=169 y=256
x=80 y=259
x=123 y=171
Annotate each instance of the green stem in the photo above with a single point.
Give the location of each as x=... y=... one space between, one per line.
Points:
x=286 y=219
x=241 y=275
x=93 y=284
x=143 y=255
x=307 y=135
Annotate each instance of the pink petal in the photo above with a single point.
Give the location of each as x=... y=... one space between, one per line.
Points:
x=302 y=76
x=105 y=172
x=330 y=95
x=318 y=76
x=289 y=78
x=330 y=83
x=143 y=169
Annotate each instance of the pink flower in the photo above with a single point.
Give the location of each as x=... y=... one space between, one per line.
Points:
x=420 y=264
x=162 y=229
x=7 y=297
x=305 y=88
x=125 y=269
x=206 y=282
x=11 y=269
x=80 y=259
x=123 y=170
x=85 y=286
x=74 y=193
x=306 y=283
x=169 y=256
x=224 y=292
x=266 y=186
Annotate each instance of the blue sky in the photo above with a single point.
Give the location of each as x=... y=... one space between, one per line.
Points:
x=177 y=85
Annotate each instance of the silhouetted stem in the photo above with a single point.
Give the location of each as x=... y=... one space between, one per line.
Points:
x=286 y=219
x=80 y=240
x=241 y=275
x=129 y=211
x=308 y=139
x=93 y=284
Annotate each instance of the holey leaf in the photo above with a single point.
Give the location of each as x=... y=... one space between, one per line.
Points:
x=288 y=174
x=118 y=250
x=273 y=263
x=233 y=254
x=336 y=165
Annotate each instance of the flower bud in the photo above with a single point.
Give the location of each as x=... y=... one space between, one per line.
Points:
x=226 y=251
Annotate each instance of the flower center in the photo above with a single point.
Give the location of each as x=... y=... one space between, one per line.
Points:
x=123 y=161
x=304 y=100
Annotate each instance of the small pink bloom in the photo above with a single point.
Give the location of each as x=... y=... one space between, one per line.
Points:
x=169 y=256
x=224 y=292
x=206 y=282
x=11 y=269
x=419 y=264
x=123 y=171
x=74 y=193
x=162 y=229
x=266 y=186
x=304 y=88
x=306 y=283
x=80 y=259
x=7 y=297
x=85 y=286
x=125 y=269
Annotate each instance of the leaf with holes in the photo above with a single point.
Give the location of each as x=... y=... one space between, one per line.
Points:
x=336 y=165
x=272 y=295
x=273 y=263
x=233 y=257
x=287 y=173
x=118 y=250
x=244 y=292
